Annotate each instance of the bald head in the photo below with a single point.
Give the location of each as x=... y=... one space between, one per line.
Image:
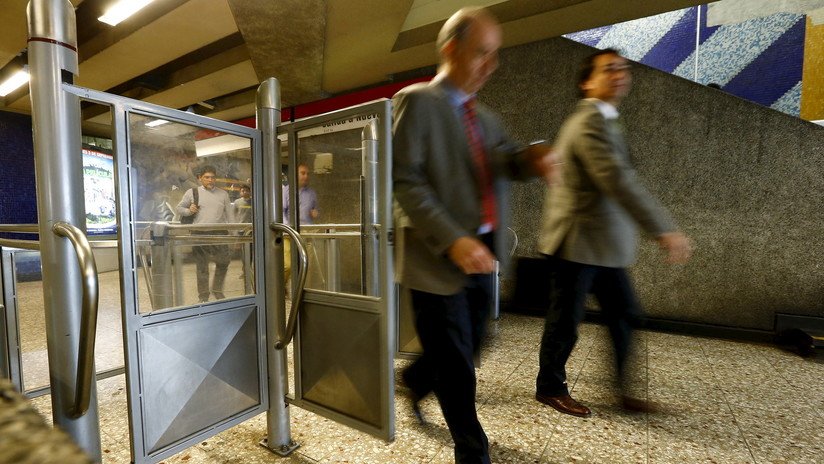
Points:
x=468 y=46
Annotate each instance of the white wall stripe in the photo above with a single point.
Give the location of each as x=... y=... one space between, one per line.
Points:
x=636 y=38
x=731 y=48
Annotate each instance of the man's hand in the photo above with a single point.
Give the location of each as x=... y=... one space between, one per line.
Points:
x=677 y=247
x=471 y=256
x=544 y=161
x=193 y=208
x=314 y=213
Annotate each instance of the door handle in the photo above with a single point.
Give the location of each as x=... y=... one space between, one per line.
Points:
x=300 y=245
x=88 y=318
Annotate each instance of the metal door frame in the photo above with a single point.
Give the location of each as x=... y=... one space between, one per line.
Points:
x=11 y=362
x=382 y=305
x=133 y=321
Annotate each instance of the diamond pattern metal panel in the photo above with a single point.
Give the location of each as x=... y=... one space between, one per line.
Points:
x=341 y=359
x=196 y=373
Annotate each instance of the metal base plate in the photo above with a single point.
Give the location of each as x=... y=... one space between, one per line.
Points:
x=283 y=450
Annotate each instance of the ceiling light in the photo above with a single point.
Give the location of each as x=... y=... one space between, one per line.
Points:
x=156 y=122
x=122 y=10
x=12 y=83
x=221 y=144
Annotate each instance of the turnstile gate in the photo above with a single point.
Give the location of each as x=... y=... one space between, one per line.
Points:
x=203 y=334
x=345 y=343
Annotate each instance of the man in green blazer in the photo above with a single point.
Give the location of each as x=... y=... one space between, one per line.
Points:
x=451 y=159
x=592 y=212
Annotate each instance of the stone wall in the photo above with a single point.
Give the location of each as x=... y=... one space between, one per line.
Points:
x=745 y=182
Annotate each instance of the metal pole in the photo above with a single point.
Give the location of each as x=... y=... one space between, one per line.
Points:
x=369 y=146
x=332 y=263
x=163 y=273
x=279 y=437
x=58 y=165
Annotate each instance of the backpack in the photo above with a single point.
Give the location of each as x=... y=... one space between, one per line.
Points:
x=191 y=218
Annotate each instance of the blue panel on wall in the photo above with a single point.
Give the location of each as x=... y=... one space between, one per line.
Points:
x=775 y=71
x=18 y=191
x=676 y=45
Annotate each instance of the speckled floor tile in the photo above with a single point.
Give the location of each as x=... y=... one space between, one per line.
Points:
x=722 y=402
x=782 y=438
x=603 y=438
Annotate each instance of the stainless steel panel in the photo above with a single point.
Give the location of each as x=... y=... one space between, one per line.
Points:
x=339 y=369
x=408 y=343
x=194 y=371
x=344 y=353
x=198 y=372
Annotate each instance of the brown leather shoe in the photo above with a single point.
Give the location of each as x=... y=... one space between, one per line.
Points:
x=638 y=405
x=565 y=404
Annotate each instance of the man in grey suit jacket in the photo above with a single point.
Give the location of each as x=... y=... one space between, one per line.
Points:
x=450 y=161
x=592 y=212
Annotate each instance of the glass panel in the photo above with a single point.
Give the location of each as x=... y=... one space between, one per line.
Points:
x=31 y=317
x=329 y=201
x=190 y=250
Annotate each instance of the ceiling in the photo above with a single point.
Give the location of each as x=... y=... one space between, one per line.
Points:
x=212 y=54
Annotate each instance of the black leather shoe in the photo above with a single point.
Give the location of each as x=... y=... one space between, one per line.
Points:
x=565 y=404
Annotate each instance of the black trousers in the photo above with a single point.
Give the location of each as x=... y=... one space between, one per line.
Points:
x=570 y=283
x=451 y=329
x=203 y=254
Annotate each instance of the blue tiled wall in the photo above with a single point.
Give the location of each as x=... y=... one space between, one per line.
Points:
x=18 y=200
x=760 y=60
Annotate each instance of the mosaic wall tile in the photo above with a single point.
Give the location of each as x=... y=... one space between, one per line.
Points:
x=18 y=203
x=759 y=59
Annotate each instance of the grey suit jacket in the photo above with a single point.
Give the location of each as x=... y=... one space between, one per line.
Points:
x=437 y=196
x=592 y=212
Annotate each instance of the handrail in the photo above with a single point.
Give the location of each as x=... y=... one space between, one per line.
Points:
x=88 y=318
x=35 y=244
x=331 y=226
x=331 y=234
x=20 y=228
x=302 y=271
x=19 y=243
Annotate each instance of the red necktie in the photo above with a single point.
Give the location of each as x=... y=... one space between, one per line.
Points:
x=482 y=168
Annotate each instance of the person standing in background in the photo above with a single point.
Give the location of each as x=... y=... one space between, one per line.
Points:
x=212 y=207
x=307 y=199
x=243 y=205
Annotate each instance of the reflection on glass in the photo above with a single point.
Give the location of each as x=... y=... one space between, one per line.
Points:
x=32 y=322
x=329 y=212
x=191 y=193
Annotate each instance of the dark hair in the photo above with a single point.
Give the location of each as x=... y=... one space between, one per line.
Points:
x=207 y=168
x=588 y=65
x=244 y=186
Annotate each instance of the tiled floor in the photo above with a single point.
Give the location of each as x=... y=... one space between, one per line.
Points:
x=723 y=402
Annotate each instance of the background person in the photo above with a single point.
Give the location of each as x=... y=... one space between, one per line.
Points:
x=213 y=207
x=590 y=231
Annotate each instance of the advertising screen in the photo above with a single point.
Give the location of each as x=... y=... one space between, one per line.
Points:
x=98 y=182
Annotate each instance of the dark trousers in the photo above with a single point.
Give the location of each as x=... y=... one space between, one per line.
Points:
x=450 y=329
x=570 y=283
x=221 y=256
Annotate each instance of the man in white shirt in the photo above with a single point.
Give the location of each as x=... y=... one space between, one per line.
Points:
x=212 y=207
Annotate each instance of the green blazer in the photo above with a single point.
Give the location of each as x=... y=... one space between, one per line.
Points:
x=437 y=196
x=592 y=212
